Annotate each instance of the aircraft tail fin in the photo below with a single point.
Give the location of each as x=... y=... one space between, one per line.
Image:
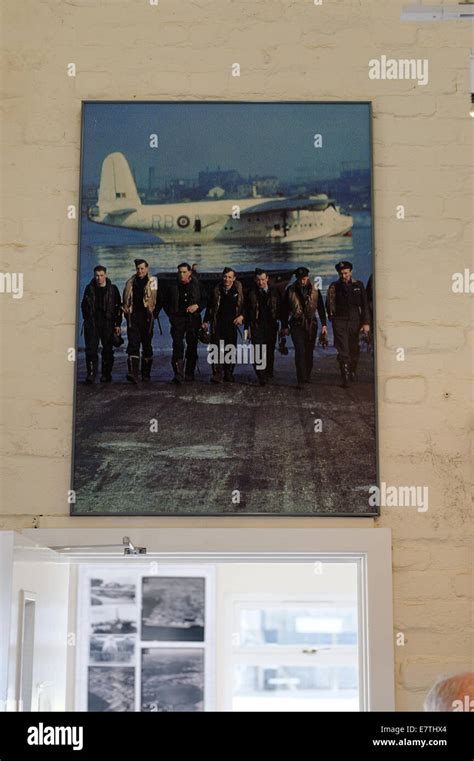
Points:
x=117 y=191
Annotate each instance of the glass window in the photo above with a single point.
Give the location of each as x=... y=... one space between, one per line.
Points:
x=281 y=687
x=295 y=625
x=300 y=653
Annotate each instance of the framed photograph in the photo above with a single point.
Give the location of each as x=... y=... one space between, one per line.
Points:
x=111 y=689
x=225 y=311
x=173 y=609
x=172 y=680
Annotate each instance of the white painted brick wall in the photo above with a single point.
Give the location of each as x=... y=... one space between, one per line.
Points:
x=287 y=49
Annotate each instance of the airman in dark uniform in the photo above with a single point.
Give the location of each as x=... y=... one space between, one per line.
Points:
x=348 y=310
x=224 y=314
x=301 y=303
x=102 y=312
x=262 y=309
x=139 y=305
x=182 y=302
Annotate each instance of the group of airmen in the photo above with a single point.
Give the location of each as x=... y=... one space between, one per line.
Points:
x=263 y=312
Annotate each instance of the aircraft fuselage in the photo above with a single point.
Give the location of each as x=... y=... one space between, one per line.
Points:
x=214 y=221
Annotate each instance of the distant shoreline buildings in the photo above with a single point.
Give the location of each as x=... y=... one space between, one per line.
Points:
x=351 y=188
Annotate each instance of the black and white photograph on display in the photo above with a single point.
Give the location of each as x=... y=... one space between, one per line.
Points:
x=172 y=680
x=173 y=609
x=113 y=619
x=112 y=648
x=225 y=310
x=111 y=689
x=114 y=591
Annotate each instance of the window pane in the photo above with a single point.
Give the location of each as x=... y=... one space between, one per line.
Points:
x=295 y=688
x=312 y=625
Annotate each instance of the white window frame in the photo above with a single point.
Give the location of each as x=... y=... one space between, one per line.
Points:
x=26 y=598
x=287 y=544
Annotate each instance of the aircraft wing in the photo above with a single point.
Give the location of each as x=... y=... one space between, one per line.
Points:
x=119 y=212
x=288 y=204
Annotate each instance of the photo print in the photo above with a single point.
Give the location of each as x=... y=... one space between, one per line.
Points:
x=112 y=648
x=172 y=680
x=225 y=310
x=114 y=591
x=173 y=609
x=111 y=689
x=113 y=619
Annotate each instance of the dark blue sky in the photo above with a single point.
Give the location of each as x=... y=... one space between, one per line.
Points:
x=253 y=138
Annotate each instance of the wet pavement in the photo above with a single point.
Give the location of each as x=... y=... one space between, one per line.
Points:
x=229 y=449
